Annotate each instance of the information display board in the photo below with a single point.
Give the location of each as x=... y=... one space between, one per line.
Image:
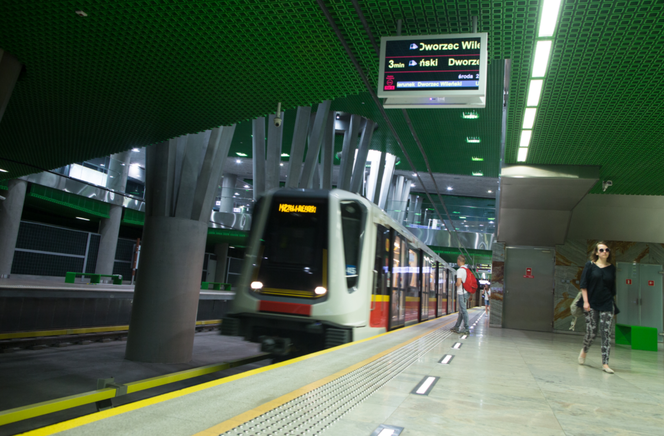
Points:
x=434 y=71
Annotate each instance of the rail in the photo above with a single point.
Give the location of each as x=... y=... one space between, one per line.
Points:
x=116 y=390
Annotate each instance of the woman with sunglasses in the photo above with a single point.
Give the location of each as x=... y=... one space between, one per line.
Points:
x=598 y=288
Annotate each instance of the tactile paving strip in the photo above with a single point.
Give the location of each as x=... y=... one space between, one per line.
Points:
x=316 y=411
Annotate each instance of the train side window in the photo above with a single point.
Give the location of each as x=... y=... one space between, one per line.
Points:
x=352 y=223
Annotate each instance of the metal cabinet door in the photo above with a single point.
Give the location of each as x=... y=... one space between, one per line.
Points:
x=651 y=297
x=628 y=281
x=528 y=302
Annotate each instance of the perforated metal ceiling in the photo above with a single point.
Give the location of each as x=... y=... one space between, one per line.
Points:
x=133 y=73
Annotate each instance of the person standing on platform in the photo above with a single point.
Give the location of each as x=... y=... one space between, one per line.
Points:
x=487 y=297
x=462 y=296
x=598 y=288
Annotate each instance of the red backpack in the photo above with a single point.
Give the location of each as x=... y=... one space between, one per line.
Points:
x=470 y=285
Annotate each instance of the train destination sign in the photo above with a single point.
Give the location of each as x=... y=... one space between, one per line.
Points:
x=297 y=208
x=433 y=71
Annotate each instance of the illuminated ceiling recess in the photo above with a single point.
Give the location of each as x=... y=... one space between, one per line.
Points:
x=547 y=27
x=433 y=71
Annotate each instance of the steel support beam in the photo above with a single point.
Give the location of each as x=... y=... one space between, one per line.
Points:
x=361 y=159
x=273 y=158
x=297 y=146
x=258 y=154
x=348 y=152
x=315 y=140
x=327 y=156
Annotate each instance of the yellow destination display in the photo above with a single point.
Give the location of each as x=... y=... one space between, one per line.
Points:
x=297 y=208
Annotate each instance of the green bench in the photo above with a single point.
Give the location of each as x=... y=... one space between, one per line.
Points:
x=70 y=277
x=640 y=338
x=216 y=286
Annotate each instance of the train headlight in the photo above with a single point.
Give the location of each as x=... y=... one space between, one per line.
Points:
x=320 y=290
x=256 y=286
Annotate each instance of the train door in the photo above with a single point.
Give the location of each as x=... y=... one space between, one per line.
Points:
x=397 y=291
x=424 y=295
x=433 y=295
x=442 y=290
x=413 y=282
x=451 y=292
x=380 y=297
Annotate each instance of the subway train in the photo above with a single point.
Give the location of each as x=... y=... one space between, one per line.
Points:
x=327 y=267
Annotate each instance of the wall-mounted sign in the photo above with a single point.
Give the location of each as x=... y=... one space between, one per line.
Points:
x=651 y=283
x=529 y=274
x=433 y=71
x=297 y=208
x=628 y=281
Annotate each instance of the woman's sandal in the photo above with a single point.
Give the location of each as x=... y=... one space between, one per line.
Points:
x=608 y=370
x=582 y=359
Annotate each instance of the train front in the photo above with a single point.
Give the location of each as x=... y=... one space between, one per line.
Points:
x=300 y=280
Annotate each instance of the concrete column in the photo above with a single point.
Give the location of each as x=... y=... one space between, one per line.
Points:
x=315 y=141
x=297 y=146
x=10 y=68
x=273 y=157
x=348 y=153
x=361 y=159
x=327 y=154
x=163 y=317
x=221 y=250
x=258 y=150
x=109 y=228
x=10 y=220
x=227 y=192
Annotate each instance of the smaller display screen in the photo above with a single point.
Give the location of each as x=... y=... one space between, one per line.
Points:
x=297 y=208
x=439 y=64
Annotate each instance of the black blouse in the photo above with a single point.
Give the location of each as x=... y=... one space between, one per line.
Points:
x=601 y=286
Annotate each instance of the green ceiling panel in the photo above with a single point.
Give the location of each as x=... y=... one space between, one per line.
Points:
x=133 y=73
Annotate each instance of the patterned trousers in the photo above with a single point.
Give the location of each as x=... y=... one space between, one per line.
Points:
x=595 y=319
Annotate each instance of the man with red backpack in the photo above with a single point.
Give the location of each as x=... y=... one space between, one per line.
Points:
x=465 y=279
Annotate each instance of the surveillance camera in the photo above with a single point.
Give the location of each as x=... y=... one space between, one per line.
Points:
x=277 y=122
x=606 y=184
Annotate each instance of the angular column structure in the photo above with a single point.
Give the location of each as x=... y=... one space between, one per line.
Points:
x=361 y=159
x=348 y=153
x=258 y=151
x=182 y=176
x=327 y=154
x=221 y=250
x=10 y=220
x=109 y=228
x=273 y=158
x=315 y=141
x=10 y=68
x=382 y=195
x=297 y=146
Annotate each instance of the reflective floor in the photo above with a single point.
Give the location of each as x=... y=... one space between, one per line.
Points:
x=498 y=382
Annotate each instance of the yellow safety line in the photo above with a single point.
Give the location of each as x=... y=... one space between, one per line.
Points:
x=80 y=331
x=84 y=420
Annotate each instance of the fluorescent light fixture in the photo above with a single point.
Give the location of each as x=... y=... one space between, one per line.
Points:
x=471 y=115
x=83 y=219
x=525 y=138
x=478 y=173
x=281 y=164
x=246 y=186
x=490 y=191
x=285 y=155
x=135 y=150
x=238 y=161
x=491 y=219
x=477 y=159
x=3 y=171
x=412 y=185
x=523 y=155
x=241 y=154
x=425 y=386
x=414 y=174
x=462 y=217
x=529 y=118
x=256 y=285
x=473 y=139
x=237 y=193
x=534 y=92
x=549 y=18
x=449 y=188
x=320 y=290
x=542 y=52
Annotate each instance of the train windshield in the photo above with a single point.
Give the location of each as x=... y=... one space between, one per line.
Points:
x=294 y=246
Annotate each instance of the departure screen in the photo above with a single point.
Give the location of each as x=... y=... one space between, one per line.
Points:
x=432 y=64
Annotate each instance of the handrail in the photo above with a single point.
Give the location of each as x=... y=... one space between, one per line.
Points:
x=31 y=411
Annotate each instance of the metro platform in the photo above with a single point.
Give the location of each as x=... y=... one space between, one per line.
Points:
x=498 y=382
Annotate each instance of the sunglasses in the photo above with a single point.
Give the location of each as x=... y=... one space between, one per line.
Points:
x=602 y=250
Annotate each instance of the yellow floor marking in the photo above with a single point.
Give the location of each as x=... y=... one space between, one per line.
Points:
x=88 y=419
